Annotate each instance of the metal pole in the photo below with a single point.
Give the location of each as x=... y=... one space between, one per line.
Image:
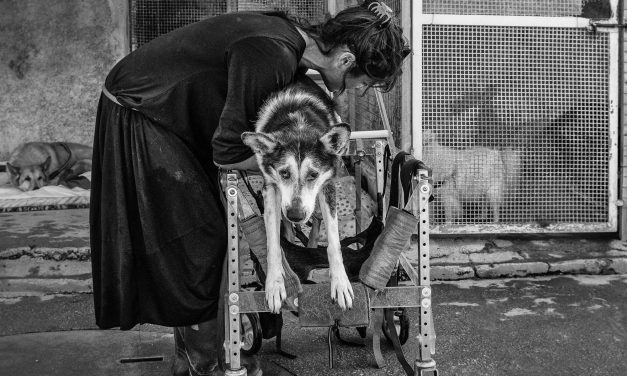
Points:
x=381 y=133
x=379 y=166
x=426 y=334
x=406 y=81
x=622 y=225
x=386 y=121
x=233 y=346
x=332 y=7
x=416 y=79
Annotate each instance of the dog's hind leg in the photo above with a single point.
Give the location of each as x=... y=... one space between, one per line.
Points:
x=450 y=202
x=495 y=206
x=341 y=289
x=81 y=166
x=495 y=197
x=275 y=285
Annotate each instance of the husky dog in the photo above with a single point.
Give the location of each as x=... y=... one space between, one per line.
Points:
x=466 y=174
x=298 y=140
x=33 y=165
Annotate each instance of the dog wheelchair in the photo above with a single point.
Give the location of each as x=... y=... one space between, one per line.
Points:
x=379 y=305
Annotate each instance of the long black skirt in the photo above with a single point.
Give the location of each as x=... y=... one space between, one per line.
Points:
x=157 y=225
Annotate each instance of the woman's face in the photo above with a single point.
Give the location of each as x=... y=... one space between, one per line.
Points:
x=337 y=80
x=357 y=82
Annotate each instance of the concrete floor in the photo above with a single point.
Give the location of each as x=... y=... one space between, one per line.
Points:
x=557 y=325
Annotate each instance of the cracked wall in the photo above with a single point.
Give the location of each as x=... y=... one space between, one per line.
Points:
x=54 y=56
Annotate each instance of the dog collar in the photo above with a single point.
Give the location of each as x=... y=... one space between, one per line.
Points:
x=65 y=165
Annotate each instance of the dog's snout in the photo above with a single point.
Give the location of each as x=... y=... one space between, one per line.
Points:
x=295 y=213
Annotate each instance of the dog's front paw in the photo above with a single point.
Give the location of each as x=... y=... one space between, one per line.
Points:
x=341 y=290
x=275 y=291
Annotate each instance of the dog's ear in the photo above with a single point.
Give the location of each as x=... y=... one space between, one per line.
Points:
x=46 y=165
x=15 y=171
x=261 y=143
x=335 y=141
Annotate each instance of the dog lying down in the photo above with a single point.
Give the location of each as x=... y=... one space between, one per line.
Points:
x=298 y=141
x=33 y=165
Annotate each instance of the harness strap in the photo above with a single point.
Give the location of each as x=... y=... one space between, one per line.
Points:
x=408 y=171
x=393 y=335
x=65 y=165
x=387 y=155
x=389 y=318
x=377 y=322
x=256 y=195
x=399 y=161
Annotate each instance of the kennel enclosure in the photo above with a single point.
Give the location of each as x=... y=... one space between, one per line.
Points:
x=526 y=93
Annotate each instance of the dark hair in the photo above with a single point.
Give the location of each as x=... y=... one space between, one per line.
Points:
x=378 y=44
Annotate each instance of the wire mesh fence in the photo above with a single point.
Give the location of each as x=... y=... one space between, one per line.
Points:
x=151 y=18
x=515 y=124
x=312 y=10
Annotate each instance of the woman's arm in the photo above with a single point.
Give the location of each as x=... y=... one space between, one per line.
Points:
x=257 y=67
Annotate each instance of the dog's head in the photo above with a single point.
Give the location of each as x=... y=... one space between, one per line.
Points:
x=28 y=178
x=299 y=163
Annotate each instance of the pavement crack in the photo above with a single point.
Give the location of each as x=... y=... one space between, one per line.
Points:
x=284 y=368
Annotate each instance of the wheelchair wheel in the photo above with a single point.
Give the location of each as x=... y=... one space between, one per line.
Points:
x=401 y=322
x=250 y=330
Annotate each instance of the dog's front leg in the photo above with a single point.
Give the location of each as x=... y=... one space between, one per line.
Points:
x=275 y=286
x=450 y=201
x=341 y=289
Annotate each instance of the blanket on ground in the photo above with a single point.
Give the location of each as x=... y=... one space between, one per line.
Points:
x=73 y=194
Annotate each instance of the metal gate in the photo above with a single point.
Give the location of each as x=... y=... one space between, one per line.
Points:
x=515 y=107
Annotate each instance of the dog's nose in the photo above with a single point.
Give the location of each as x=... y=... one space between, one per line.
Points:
x=295 y=214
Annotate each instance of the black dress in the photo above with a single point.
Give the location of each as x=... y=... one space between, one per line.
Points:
x=158 y=230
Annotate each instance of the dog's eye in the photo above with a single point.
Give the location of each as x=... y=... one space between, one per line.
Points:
x=285 y=174
x=312 y=176
x=40 y=178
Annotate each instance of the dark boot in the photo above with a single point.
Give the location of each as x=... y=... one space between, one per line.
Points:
x=196 y=351
x=180 y=366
